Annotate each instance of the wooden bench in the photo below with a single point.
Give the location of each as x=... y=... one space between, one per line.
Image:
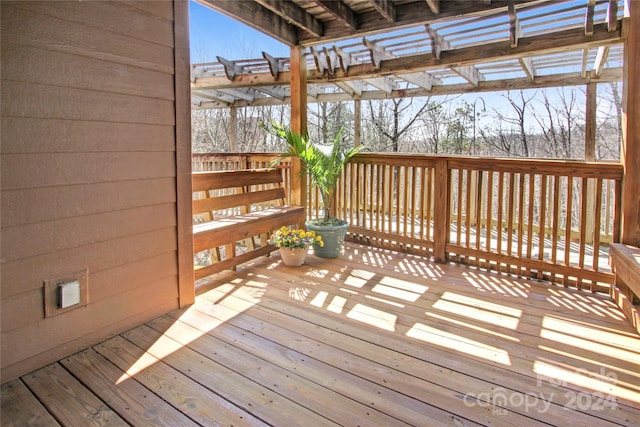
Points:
x=238 y=210
x=625 y=262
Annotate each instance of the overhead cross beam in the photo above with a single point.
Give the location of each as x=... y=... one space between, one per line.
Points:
x=385 y=8
x=258 y=17
x=570 y=79
x=293 y=14
x=341 y=12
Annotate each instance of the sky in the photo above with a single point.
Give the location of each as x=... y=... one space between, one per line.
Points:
x=214 y=34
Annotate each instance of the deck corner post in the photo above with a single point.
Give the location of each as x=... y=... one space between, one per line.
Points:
x=441 y=210
x=630 y=152
x=298 y=121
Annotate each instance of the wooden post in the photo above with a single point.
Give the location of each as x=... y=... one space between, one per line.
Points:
x=357 y=119
x=590 y=156
x=441 y=211
x=298 y=121
x=233 y=131
x=630 y=153
x=184 y=194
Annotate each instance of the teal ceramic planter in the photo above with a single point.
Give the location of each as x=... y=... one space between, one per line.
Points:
x=332 y=236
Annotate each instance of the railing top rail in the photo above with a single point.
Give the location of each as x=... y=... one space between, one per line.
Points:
x=575 y=168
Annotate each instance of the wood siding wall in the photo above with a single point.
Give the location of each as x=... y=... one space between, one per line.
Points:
x=89 y=166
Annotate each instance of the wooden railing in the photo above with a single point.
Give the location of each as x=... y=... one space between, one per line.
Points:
x=546 y=219
x=222 y=161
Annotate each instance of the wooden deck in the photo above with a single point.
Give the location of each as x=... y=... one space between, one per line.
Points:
x=374 y=338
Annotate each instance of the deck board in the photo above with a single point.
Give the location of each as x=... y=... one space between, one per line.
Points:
x=21 y=408
x=130 y=398
x=68 y=400
x=371 y=338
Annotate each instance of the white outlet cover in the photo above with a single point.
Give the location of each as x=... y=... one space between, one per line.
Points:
x=69 y=294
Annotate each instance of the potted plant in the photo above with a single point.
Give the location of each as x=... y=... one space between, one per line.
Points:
x=323 y=164
x=294 y=244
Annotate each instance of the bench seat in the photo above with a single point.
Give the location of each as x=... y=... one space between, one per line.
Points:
x=625 y=263
x=239 y=227
x=238 y=206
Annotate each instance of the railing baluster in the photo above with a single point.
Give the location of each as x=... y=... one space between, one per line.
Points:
x=542 y=220
x=499 y=219
x=584 y=201
x=511 y=212
x=468 y=215
x=459 y=206
x=556 y=218
x=597 y=226
x=568 y=225
x=489 y=226
x=520 y=212
x=428 y=189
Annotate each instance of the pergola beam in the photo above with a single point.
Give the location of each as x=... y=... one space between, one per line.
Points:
x=560 y=80
x=562 y=41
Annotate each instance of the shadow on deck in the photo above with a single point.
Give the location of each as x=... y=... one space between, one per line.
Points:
x=373 y=338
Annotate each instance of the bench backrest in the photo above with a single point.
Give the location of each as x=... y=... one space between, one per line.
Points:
x=234 y=192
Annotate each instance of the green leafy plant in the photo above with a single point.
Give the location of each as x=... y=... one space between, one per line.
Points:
x=323 y=162
x=286 y=237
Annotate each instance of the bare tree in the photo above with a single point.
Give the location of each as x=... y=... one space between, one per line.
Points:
x=508 y=134
x=387 y=120
x=609 y=133
x=560 y=125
